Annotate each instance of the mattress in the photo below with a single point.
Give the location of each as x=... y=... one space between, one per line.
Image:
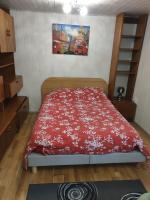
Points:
x=82 y=121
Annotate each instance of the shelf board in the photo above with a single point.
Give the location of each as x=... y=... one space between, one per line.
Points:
x=130 y=19
x=131 y=36
x=127 y=61
x=121 y=72
x=129 y=49
x=6 y=65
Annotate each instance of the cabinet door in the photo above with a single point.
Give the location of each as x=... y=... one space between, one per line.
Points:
x=7 y=136
x=1 y=89
x=7 y=35
x=23 y=112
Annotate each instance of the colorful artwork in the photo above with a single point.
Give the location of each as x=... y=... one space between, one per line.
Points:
x=70 y=39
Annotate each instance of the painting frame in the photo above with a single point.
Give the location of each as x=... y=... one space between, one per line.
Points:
x=70 y=39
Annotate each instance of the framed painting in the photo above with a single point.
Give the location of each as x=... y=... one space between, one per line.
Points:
x=70 y=39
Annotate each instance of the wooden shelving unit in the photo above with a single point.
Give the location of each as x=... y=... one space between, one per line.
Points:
x=127 y=47
x=13 y=108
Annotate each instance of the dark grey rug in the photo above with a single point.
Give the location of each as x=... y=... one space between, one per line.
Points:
x=102 y=190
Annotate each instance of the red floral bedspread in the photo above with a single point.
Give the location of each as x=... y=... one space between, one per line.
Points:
x=82 y=121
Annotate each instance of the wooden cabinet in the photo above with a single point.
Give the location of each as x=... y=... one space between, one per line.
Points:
x=127 y=47
x=14 y=86
x=11 y=120
x=2 y=97
x=7 y=34
x=126 y=108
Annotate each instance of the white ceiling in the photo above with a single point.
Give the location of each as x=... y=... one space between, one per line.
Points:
x=96 y=7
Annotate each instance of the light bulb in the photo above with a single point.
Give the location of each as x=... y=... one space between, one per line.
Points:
x=67 y=8
x=83 y=11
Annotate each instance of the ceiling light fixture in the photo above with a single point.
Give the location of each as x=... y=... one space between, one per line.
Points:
x=83 y=11
x=68 y=7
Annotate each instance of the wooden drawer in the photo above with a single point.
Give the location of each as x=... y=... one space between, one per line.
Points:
x=7 y=136
x=22 y=112
x=13 y=87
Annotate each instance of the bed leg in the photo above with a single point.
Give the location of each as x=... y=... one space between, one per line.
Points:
x=34 y=170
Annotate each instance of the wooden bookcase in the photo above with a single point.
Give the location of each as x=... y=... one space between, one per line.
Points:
x=13 y=108
x=127 y=47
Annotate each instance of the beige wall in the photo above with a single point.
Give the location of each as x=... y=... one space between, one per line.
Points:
x=142 y=89
x=34 y=58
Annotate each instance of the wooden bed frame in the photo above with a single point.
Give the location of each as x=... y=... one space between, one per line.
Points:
x=35 y=160
x=54 y=83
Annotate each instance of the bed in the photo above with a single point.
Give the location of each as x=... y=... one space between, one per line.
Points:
x=69 y=95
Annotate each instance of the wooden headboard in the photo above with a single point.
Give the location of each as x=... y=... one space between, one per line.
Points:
x=53 y=83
